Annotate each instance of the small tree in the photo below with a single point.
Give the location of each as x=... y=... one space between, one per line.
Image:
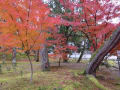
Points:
x=25 y=24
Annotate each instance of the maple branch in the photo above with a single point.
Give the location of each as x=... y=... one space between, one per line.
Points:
x=95 y=16
x=89 y=39
x=20 y=39
x=28 y=22
x=29 y=10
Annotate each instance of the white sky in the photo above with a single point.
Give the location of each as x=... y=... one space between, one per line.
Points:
x=116 y=20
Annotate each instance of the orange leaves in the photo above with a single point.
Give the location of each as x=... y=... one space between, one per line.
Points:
x=24 y=23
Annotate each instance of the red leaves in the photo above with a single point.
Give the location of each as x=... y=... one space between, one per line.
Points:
x=93 y=17
x=25 y=23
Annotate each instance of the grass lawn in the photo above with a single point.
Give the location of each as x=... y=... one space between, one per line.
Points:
x=66 y=77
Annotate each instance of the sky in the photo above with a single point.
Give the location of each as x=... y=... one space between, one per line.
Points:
x=116 y=20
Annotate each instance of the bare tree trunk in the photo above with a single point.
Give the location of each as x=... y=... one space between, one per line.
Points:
x=37 y=56
x=0 y=68
x=31 y=66
x=118 y=59
x=59 y=61
x=14 y=57
x=81 y=55
x=108 y=46
x=44 y=58
x=4 y=58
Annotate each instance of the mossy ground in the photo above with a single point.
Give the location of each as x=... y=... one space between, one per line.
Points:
x=67 y=77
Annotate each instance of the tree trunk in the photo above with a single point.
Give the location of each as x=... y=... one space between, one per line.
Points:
x=59 y=61
x=0 y=68
x=37 y=56
x=31 y=67
x=118 y=59
x=4 y=58
x=81 y=55
x=108 y=46
x=14 y=57
x=44 y=58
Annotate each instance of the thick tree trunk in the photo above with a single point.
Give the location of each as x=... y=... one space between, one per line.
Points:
x=14 y=56
x=81 y=55
x=37 y=56
x=108 y=46
x=44 y=58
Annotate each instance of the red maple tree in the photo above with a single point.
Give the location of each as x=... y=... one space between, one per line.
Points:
x=91 y=17
x=25 y=24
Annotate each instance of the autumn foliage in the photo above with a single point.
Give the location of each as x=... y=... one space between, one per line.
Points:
x=25 y=23
x=92 y=17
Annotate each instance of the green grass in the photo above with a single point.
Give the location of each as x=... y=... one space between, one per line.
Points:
x=59 y=78
x=19 y=56
x=96 y=82
x=56 y=79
